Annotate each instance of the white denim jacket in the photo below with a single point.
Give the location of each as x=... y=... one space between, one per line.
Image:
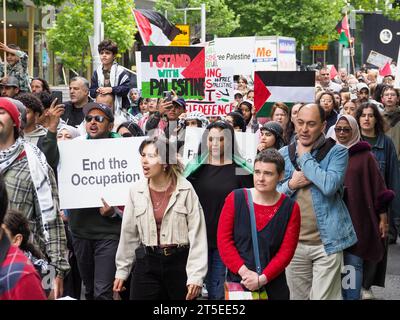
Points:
x=183 y=224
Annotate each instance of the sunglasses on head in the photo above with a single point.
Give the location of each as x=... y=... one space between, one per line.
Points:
x=345 y=130
x=96 y=118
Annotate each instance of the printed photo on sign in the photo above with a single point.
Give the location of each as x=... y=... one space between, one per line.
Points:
x=173 y=68
x=94 y=169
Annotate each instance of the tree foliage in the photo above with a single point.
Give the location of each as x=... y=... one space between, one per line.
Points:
x=220 y=19
x=69 y=37
x=388 y=7
x=307 y=21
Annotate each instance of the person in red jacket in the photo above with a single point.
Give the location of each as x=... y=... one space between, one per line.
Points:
x=18 y=278
x=278 y=226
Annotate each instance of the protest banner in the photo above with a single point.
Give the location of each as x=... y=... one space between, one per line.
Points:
x=173 y=68
x=265 y=58
x=286 y=54
x=99 y=168
x=210 y=109
x=236 y=53
x=247 y=143
x=282 y=86
x=377 y=59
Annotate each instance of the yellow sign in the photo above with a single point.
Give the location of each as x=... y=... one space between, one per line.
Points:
x=183 y=39
x=319 y=47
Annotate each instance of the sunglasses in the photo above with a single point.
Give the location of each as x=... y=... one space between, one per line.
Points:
x=345 y=130
x=96 y=118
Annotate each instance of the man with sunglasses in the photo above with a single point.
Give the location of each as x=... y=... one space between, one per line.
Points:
x=96 y=231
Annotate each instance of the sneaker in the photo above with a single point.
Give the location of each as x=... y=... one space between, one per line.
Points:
x=367 y=294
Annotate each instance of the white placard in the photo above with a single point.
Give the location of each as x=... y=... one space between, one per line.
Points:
x=265 y=57
x=286 y=54
x=378 y=59
x=236 y=53
x=100 y=168
x=247 y=143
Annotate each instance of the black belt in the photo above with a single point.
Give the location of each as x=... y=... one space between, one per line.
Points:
x=165 y=251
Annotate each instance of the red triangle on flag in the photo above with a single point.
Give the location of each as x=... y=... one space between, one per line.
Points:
x=261 y=93
x=196 y=68
x=386 y=70
x=333 y=72
x=143 y=25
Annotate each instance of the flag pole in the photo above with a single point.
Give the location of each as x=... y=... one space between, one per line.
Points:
x=5 y=35
x=352 y=52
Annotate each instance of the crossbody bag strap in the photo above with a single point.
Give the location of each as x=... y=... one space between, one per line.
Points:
x=254 y=235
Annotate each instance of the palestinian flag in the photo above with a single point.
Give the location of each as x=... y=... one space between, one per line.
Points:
x=154 y=28
x=282 y=86
x=343 y=29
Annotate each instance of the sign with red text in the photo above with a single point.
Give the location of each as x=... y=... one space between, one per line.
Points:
x=181 y=69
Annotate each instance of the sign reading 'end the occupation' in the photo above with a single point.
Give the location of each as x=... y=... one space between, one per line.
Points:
x=94 y=169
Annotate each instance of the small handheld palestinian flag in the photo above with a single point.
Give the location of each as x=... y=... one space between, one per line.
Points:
x=343 y=29
x=154 y=28
x=282 y=86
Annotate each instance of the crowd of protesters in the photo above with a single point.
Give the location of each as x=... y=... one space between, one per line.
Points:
x=324 y=191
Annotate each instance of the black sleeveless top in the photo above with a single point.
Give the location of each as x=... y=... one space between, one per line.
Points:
x=269 y=241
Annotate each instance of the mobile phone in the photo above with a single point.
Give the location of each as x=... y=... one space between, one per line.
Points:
x=167 y=96
x=57 y=94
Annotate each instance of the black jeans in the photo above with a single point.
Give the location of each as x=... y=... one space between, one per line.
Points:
x=159 y=277
x=96 y=263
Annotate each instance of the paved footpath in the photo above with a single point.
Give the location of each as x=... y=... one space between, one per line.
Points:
x=392 y=285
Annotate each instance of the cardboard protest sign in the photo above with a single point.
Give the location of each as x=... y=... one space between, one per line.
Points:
x=173 y=68
x=219 y=88
x=283 y=86
x=378 y=59
x=247 y=143
x=98 y=168
x=287 y=54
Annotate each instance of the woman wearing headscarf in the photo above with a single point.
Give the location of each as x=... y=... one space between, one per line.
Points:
x=367 y=199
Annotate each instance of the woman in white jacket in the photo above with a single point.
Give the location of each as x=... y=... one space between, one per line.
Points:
x=163 y=231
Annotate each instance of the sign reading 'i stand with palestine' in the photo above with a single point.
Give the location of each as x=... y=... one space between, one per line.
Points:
x=173 y=68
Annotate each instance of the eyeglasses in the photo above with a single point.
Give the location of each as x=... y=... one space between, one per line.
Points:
x=96 y=118
x=344 y=130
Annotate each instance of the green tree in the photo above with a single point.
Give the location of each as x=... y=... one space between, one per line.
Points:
x=220 y=19
x=387 y=7
x=307 y=21
x=69 y=37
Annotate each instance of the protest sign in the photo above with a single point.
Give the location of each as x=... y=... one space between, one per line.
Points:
x=210 y=109
x=99 y=168
x=236 y=53
x=247 y=143
x=286 y=54
x=266 y=54
x=283 y=86
x=173 y=68
x=377 y=59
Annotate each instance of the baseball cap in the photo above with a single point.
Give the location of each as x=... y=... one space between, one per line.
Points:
x=361 y=86
x=12 y=110
x=99 y=106
x=10 y=81
x=180 y=102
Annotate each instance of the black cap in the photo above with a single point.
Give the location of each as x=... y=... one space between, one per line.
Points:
x=100 y=106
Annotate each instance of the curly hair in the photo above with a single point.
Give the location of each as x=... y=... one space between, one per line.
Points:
x=108 y=45
x=31 y=101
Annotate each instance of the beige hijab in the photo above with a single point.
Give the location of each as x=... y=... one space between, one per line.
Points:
x=355 y=131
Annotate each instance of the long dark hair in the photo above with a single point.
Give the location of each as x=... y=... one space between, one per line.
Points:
x=238 y=120
x=378 y=118
x=16 y=223
x=221 y=125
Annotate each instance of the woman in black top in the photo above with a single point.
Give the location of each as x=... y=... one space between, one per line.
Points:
x=216 y=172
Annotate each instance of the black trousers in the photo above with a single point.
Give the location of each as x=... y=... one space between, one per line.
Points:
x=96 y=263
x=159 y=277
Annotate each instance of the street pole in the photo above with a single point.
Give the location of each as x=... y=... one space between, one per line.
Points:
x=203 y=23
x=5 y=35
x=97 y=32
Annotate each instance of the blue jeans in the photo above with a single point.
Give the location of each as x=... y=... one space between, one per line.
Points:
x=215 y=276
x=352 y=277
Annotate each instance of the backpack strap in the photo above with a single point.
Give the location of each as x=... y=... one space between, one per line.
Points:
x=292 y=155
x=324 y=149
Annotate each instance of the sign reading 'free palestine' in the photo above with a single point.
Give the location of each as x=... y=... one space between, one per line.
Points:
x=181 y=69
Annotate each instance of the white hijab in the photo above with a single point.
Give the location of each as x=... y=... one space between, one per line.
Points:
x=355 y=131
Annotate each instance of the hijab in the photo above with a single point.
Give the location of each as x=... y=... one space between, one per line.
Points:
x=355 y=131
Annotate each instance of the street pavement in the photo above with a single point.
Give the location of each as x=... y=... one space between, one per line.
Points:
x=392 y=283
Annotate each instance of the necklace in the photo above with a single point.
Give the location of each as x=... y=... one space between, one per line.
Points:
x=158 y=198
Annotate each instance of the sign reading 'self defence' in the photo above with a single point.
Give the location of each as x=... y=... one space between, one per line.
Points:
x=173 y=68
